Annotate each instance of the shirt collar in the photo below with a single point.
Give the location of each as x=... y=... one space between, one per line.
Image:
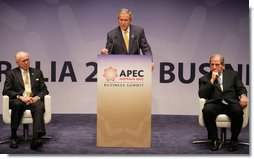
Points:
x=24 y=70
x=128 y=30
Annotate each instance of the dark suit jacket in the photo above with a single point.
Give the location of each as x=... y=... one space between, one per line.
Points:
x=232 y=88
x=14 y=84
x=137 y=40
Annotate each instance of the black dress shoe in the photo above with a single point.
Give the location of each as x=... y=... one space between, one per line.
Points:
x=215 y=145
x=13 y=143
x=233 y=146
x=35 y=144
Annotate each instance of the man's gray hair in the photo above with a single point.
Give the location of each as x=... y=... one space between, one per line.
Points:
x=127 y=11
x=221 y=58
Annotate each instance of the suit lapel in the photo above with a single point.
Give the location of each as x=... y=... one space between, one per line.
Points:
x=131 y=38
x=20 y=78
x=120 y=37
x=217 y=85
x=226 y=77
x=32 y=76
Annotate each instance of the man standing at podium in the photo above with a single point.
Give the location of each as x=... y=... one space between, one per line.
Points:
x=126 y=38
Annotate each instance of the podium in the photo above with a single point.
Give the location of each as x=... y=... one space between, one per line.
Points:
x=124 y=101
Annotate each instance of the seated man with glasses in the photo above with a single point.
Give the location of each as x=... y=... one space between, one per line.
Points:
x=225 y=94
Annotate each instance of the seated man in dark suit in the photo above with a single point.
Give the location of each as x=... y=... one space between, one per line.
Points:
x=26 y=90
x=225 y=94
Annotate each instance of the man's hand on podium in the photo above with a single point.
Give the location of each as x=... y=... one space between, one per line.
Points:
x=104 y=51
x=153 y=66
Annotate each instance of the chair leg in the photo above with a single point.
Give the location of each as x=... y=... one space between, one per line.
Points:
x=243 y=143
x=46 y=137
x=5 y=141
x=201 y=141
x=26 y=133
x=225 y=141
x=223 y=137
x=25 y=136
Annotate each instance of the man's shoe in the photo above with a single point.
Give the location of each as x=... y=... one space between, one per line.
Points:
x=13 y=143
x=35 y=144
x=215 y=145
x=233 y=146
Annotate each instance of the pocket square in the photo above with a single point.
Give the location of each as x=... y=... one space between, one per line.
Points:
x=37 y=79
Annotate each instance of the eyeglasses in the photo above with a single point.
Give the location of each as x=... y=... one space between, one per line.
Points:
x=217 y=65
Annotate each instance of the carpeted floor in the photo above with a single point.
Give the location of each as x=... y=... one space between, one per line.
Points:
x=76 y=134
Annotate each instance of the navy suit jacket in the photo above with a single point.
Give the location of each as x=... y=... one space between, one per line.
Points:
x=137 y=40
x=14 y=84
x=232 y=88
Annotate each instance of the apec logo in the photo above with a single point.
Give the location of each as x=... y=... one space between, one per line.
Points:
x=110 y=74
